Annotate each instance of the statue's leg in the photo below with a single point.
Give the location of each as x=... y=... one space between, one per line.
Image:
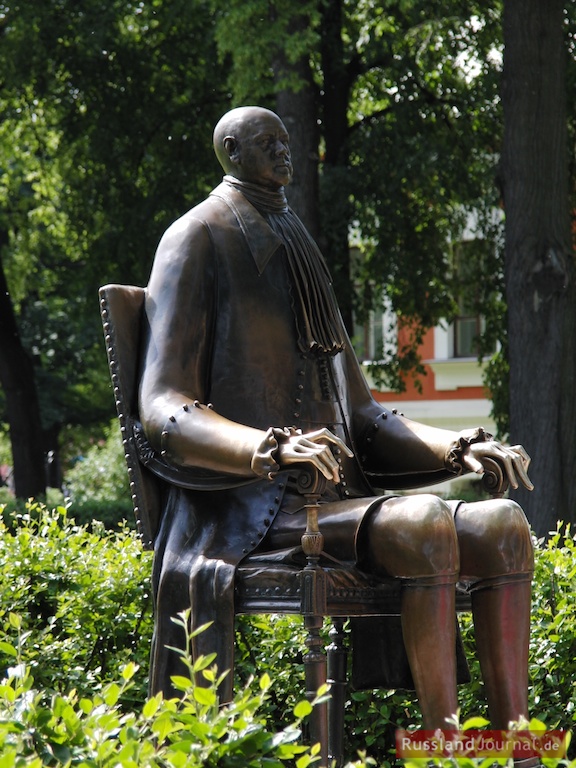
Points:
x=414 y=538
x=502 y=629
x=429 y=629
x=497 y=555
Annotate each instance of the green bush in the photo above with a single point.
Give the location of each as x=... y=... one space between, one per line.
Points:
x=97 y=484
x=37 y=729
x=112 y=515
x=553 y=637
x=83 y=595
x=96 y=487
x=100 y=474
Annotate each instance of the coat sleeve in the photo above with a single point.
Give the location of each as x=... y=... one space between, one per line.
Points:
x=395 y=452
x=175 y=376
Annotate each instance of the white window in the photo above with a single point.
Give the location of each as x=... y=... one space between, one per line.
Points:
x=469 y=324
x=376 y=338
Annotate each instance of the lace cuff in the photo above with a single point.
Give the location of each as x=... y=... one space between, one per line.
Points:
x=264 y=463
x=458 y=448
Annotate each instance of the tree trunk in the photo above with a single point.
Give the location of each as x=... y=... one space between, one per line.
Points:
x=299 y=112
x=324 y=208
x=336 y=207
x=18 y=382
x=539 y=257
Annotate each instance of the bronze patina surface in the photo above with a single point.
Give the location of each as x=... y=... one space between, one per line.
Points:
x=246 y=373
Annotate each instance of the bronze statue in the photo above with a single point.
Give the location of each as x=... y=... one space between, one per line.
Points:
x=247 y=370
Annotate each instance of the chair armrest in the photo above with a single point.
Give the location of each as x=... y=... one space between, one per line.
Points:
x=494 y=480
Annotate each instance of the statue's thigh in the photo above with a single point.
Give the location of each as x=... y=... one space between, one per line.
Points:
x=338 y=521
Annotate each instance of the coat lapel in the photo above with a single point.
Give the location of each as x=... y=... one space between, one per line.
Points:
x=261 y=239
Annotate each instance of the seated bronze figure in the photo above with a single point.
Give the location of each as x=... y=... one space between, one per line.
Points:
x=246 y=373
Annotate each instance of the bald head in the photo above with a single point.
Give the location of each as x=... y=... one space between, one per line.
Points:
x=231 y=128
x=251 y=143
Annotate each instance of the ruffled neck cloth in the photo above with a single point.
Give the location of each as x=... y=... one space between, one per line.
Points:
x=317 y=315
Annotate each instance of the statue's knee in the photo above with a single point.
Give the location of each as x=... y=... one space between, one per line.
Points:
x=415 y=538
x=495 y=540
x=434 y=535
x=517 y=547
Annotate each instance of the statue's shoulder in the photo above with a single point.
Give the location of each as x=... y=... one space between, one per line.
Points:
x=195 y=223
x=204 y=212
x=222 y=223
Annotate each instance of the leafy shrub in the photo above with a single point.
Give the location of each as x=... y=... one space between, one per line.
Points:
x=96 y=487
x=9 y=503
x=553 y=637
x=112 y=515
x=98 y=484
x=66 y=729
x=83 y=595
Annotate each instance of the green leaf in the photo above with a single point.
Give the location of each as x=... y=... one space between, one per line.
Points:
x=205 y=696
x=111 y=694
x=302 y=709
x=151 y=707
x=8 y=693
x=181 y=683
x=536 y=725
x=129 y=671
x=8 y=648
x=475 y=722
x=15 y=620
x=86 y=705
x=204 y=661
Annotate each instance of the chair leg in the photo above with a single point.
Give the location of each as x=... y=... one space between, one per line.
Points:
x=337 y=674
x=315 y=674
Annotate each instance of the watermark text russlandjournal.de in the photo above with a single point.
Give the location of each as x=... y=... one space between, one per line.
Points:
x=476 y=743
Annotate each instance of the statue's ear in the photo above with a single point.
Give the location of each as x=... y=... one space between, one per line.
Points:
x=232 y=149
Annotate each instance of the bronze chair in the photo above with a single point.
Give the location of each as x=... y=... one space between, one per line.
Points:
x=315 y=591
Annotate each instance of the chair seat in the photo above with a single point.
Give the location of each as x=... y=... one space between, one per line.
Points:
x=266 y=588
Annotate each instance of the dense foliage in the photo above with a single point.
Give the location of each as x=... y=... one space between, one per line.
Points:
x=97 y=486
x=68 y=729
x=84 y=599
x=107 y=111
x=76 y=621
x=106 y=132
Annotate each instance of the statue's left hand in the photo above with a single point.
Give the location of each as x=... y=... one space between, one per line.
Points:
x=313 y=448
x=514 y=459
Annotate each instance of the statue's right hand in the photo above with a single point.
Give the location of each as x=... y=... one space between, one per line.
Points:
x=313 y=447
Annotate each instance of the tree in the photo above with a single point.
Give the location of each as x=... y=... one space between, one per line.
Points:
x=105 y=138
x=406 y=133
x=540 y=288
x=410 y=135
x=21 y=401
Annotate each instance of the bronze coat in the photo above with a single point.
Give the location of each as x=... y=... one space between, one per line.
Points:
x=221 y=330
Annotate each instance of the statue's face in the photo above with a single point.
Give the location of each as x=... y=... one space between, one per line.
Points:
x=263 y=151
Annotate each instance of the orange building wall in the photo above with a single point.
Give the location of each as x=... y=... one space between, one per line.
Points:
x=428 y=383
